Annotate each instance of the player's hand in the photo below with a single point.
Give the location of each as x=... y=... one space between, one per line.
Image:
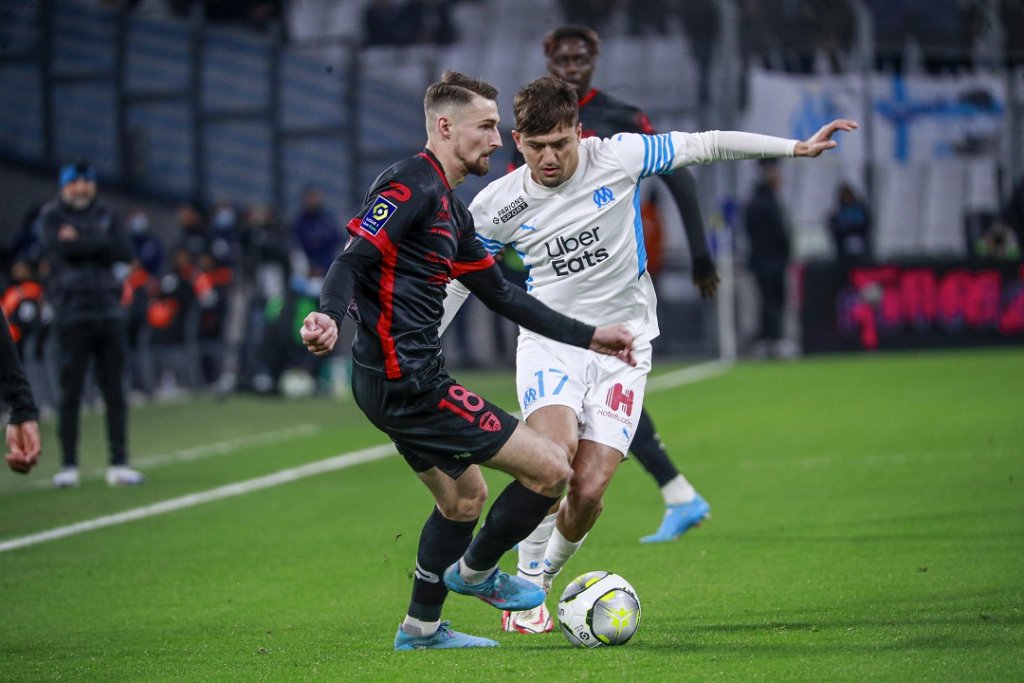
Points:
x=614 y=340
x=705 y=276
x=23 y=446
x=822 y=140
x=319 y=333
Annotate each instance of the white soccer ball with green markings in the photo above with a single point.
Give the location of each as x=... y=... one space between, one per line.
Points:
x=598 y=608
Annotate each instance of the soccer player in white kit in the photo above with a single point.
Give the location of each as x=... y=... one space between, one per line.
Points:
x=572 y=212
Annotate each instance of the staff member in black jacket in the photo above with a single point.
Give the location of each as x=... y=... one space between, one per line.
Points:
x=23 y=444
x=83 y=240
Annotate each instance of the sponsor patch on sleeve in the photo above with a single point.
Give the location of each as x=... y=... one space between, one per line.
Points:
x=377 y=216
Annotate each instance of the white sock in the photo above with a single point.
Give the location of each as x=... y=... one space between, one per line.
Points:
x=558 y=552
x=418 y=628
x=472 y=576
x=678 y=491
x=532 y=549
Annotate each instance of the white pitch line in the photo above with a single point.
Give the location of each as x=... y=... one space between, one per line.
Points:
x=312 y=469
x=689 y=375
x=210 y=450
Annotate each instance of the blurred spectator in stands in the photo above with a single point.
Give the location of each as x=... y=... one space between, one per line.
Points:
x=431 y=21
x=647 y=18
x=224 y=234
x=998 y=243
x=149 y=250
x=26 y=245
x=317 y=232
x=1013 y=212
x=82 y=239
x=700 y=21
x=265 y=269
x=592 y=13
x=832 y=24
x=385 y=22
x=850 y=225
x=193 y=239
x=768 y=234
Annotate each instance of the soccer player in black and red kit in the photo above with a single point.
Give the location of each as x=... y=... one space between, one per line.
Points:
x=412 y=236
x=572 y=53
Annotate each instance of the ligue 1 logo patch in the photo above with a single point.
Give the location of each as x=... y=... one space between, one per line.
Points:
x=378 y=215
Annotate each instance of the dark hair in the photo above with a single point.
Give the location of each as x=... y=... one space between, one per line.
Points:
x=587 y=35
x=544 y=104
x=458 y=89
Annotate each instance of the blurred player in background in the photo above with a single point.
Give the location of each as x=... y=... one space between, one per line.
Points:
x=412 y=237
x=572 y=55
x=576 y=227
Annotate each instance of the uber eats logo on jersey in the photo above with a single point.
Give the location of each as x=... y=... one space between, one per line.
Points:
x=565 y=252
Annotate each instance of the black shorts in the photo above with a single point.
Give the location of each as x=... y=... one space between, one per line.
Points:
x=433 y=421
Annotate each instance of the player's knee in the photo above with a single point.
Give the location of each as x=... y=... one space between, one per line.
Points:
x=586 y=494
x=557 y=473
x=464 y=508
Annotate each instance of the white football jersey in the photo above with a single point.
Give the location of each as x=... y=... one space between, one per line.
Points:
x=582 y=242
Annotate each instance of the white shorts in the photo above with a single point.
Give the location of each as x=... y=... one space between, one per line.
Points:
x=605 y=393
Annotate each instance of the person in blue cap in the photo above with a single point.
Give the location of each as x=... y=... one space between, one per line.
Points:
x=82 y=240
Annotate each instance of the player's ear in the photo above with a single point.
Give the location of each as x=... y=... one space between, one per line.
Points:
x=443 y=125
x=517 y=139
x=579 y=130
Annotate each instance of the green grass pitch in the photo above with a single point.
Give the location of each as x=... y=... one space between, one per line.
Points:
x=867 y=525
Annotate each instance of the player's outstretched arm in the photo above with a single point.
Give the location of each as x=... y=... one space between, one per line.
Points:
x=822 y=140
x=319 y=333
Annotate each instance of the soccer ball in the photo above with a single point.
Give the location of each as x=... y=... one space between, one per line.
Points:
x=598 y=608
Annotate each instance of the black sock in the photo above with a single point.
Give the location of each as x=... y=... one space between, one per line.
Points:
x=442 y=543
x=650 y=451
x=512 y=517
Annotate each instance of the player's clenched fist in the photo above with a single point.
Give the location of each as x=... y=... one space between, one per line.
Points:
x=614 y=340
x=319 y=333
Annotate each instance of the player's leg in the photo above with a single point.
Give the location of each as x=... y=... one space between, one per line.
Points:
x=684 y=507
x=593 y=468
x=558 y=423
x=111 y=353
x=541 y=472
x=74 y=353
x=445 y=536
x=551 y=380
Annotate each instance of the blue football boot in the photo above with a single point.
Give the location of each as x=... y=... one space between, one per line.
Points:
x=678 y=519
x=498 y=590
x=442 y=639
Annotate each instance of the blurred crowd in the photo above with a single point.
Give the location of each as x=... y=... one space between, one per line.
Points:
x=781 y=34
x=215 y=305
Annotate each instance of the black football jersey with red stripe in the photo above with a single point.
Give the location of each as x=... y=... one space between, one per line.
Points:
x=425 y=237
x=603 y=116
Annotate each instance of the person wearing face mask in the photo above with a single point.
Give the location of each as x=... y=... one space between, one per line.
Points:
x=83 y=241
x=149 y=250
